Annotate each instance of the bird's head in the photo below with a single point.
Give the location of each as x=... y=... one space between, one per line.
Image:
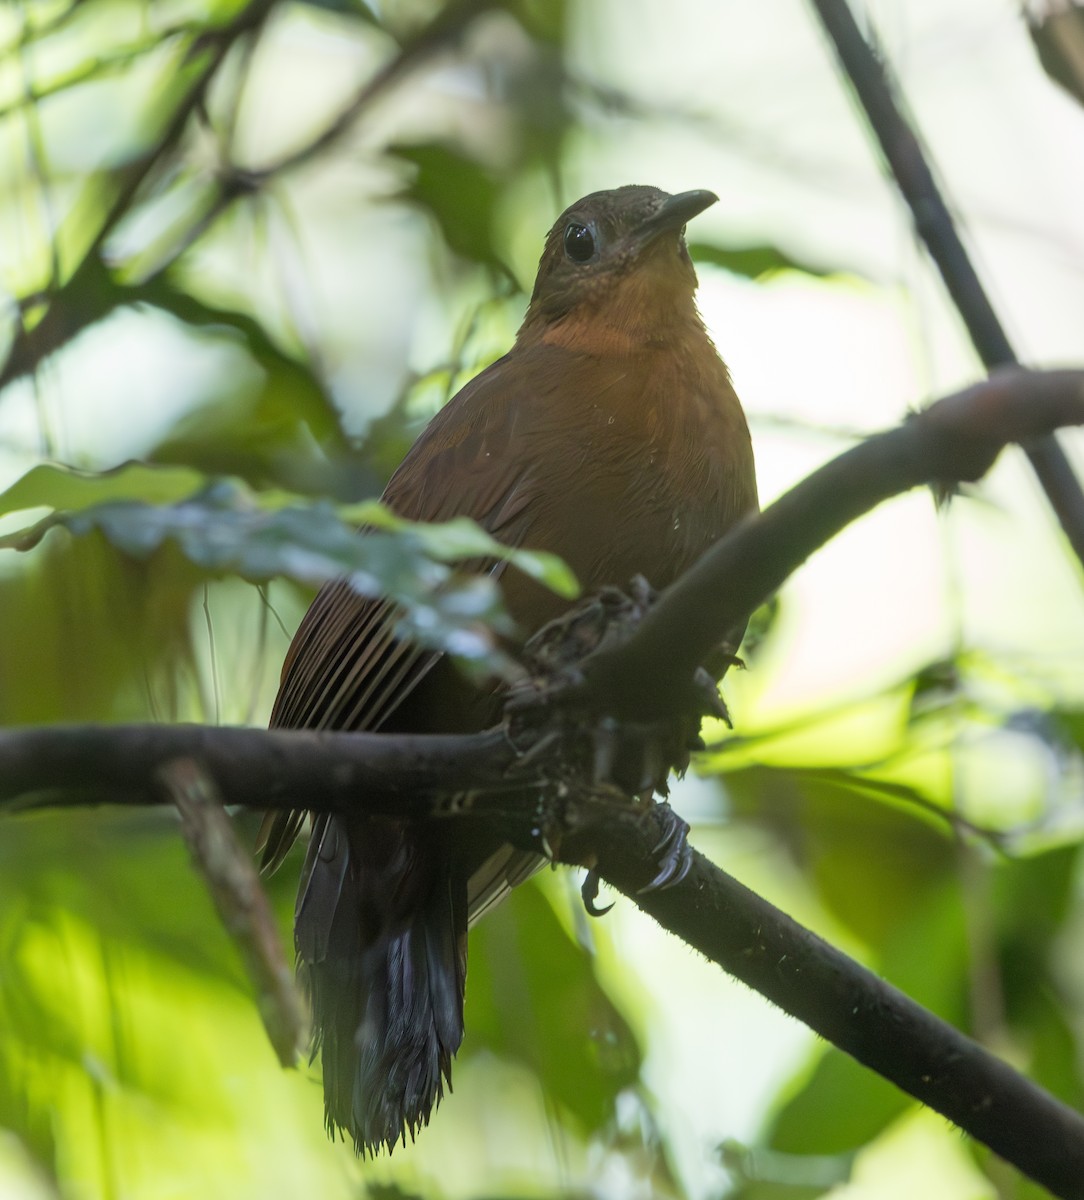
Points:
x=616 y=270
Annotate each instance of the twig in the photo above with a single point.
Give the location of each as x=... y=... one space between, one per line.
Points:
x=903 y=151
x=73 y=306
x=242 y=904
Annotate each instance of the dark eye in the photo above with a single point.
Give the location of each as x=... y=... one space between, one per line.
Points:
x=579 y=243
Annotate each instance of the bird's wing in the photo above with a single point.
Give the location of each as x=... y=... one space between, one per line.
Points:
x=345 y=668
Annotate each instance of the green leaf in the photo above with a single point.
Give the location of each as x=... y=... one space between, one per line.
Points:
x=462 y=538
x=546 y=20
x=459 y=193
x=533 y=997
x=51 y=485
x=283 y=430
x=842 y=1107
x=97 y=635
x=225 y=528
x=752 y=262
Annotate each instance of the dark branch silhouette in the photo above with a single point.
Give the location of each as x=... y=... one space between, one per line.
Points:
x=869 y=74
x=77 y=304
x=485 y=777
x=82 y=301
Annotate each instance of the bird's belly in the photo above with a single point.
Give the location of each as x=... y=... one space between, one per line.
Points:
x=613 y=526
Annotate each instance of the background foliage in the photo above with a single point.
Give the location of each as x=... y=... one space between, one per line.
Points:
x=245 y=251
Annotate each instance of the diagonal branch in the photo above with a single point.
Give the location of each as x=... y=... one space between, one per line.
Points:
x=852 y=1008
x=75 y=304
x=870 y=77
x=81 y=300
x=955 y=440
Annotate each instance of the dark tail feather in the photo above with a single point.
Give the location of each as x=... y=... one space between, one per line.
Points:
x=386 y=983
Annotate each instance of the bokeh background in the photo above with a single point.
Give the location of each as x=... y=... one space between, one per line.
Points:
x=256 y=247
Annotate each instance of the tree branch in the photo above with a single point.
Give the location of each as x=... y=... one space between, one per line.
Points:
x=255 y=768
x=751 y=939
x=956 y=439
x=854 y=1009
x=870 y=77
x=77 y=303
x=484 y=777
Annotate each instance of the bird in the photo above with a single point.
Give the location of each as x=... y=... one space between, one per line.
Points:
x=610 y=435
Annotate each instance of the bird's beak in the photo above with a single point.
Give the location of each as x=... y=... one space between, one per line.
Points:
x=673 y=214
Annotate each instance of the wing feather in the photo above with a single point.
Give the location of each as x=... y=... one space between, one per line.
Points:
x=346 y=668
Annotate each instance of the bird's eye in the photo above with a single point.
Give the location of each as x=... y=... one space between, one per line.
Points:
x=579 y=243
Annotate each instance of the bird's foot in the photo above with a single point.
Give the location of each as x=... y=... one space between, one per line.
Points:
x=672 y=853
x=589 y=892
x=672 y=858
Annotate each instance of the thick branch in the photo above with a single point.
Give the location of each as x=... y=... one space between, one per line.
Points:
x=256 y=768
x=809 y=979
x=935 y=225
x=855 y=1010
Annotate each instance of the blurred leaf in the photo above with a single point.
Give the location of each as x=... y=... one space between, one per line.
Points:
x=1071 y=721
x=291 y=395
x=1033 y=897
x=120 y=999
x=752 y=262
x=829 y=820
x=358 y=9
x=766 y=1174
x=98 y=634
x=545 y=19
x=460 y=194
x=533 y=997
x=226 y=528
x=842 y=1107
x=51 y=485
x=760 y=1189
x=1058 y=37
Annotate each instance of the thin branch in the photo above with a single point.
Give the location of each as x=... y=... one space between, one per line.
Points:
x=870 y=77
x=234 y=886
x=446 y=29
x=955 y=440
x=73 y=306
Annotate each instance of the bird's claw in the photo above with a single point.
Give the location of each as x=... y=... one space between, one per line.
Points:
x=672 y=853
x=589 y=892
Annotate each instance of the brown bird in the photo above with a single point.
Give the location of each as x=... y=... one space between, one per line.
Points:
x=609 y=435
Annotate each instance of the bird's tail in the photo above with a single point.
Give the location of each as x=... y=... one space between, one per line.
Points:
x=381 y=930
